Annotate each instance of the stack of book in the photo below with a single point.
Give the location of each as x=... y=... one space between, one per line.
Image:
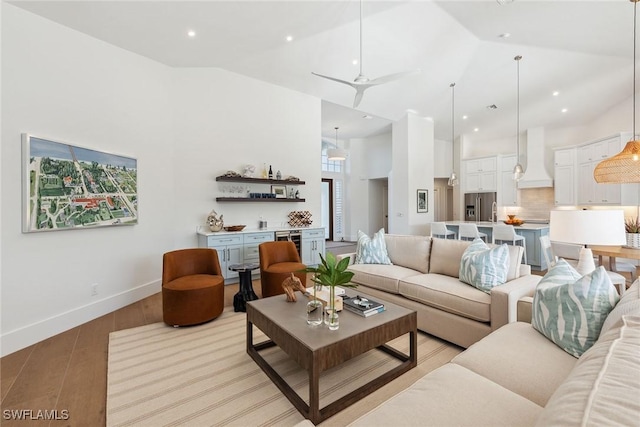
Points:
x=364 y=307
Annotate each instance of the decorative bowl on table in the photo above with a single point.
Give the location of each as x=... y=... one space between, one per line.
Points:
x=512 y=220
x=234 y=227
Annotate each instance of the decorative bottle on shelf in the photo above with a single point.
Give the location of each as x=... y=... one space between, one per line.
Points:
x=264 y=171
x=270 y=172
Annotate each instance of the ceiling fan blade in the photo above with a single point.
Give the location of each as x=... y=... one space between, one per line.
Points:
x=334 y=79
x=359 y=94
x=391 y=77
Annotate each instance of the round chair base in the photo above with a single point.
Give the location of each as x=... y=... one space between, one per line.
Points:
x=191 y=300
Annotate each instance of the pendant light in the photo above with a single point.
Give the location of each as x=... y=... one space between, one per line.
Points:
x=453 y=179
x=518 y=170
x=624 y=167
x=336 y=154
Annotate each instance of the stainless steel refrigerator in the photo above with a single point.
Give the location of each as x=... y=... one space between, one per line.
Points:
x=477 y=206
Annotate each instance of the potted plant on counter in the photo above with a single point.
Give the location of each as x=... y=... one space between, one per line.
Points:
x=331 y=273
x=632 y=227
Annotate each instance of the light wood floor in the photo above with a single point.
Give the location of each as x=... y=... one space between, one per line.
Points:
x=69 y=371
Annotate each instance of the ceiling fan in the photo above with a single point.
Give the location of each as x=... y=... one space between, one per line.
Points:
x=362 y=82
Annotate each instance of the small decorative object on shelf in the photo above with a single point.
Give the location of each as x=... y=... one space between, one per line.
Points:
x=292 y=178
x=249 y=170
x=300 y=218
x=278 y=175
x=332 y=273
x=264 y=171
x=291 y=285
x=297 y=195
x=231 y=174
x=270 y=172
x=215 y=223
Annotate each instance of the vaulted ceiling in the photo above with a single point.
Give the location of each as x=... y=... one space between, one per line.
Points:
x=582 y=49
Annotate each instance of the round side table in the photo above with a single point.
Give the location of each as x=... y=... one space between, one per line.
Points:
x=246 y=292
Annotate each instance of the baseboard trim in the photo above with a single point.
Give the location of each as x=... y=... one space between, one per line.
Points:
x=25 y=336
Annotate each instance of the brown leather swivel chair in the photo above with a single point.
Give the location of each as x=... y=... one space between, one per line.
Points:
x=277 y=261
x=192 y=287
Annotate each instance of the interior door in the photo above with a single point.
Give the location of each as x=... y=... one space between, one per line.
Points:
x=326 y=206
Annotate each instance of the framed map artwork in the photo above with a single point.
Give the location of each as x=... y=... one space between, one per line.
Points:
x=68 y=187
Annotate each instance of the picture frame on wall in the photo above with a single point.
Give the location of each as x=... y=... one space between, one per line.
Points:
x=423 y=201
x=66 y=187
x=280 y=191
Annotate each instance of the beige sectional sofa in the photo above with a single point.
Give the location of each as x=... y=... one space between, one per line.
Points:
x=424 y=277
x=517 y=377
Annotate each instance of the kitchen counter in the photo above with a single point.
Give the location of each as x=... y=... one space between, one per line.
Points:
x=204 y=230
x=487 y=224
x=531 y=233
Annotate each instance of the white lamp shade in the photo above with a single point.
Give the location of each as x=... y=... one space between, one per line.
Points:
x=336 y=154
x=588 y=227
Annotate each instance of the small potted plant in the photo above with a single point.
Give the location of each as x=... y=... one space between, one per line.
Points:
x=331 y=273
x=632 y=227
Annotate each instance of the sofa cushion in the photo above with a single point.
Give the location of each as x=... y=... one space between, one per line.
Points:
x=482 y=267
x=453 y=396
x=571 y=312
x=372 y=250
x=446 y=255
x=379 y=276
x=629 y=304
x=520 y=359
x=604 y=386
x=448 y=294
x=409 y=251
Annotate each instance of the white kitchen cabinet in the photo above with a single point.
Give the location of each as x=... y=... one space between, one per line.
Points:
x=564 y=177
x=250 y=249
x=230 y=251
x=592 y=193
x=480 y=175
x=313 y=245
x=508 y=191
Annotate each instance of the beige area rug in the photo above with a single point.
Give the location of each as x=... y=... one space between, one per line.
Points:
x=202 y=376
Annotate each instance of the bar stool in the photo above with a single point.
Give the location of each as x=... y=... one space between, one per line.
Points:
x=470 y=232
x=506 y=233
x=439 y=229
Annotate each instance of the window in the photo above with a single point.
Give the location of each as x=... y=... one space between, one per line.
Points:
x=330 y=165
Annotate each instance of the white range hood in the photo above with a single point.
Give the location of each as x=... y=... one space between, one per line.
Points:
x=535 y=173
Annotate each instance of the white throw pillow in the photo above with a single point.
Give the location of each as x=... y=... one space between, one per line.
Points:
x=372 y=251
x=569 y=309
x=484 y=268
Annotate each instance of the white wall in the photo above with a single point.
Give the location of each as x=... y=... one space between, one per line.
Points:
x=224 y=121
x=184 y=127
x=412 y=160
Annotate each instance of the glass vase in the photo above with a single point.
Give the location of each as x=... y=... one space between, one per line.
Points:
x=314 y=310
x=332 y=319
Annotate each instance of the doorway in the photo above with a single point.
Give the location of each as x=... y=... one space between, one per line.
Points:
x=326 y=206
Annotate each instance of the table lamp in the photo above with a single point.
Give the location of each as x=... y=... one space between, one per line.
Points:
x=587 y=227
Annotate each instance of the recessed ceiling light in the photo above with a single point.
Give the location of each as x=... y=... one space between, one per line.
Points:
x=504 y=35
x=476 y=129
x=564 y=110
x=289 y=38
x=368 y=117
x=556 y=93
x=354 y=62
x=411 y=110
x=465 y=117
x=191 y=33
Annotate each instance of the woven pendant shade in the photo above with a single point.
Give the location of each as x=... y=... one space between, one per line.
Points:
x=624 y=167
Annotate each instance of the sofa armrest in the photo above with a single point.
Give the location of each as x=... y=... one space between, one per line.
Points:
x=504 y=299
x=525 y=270
x=351 y=256
x=525 y=309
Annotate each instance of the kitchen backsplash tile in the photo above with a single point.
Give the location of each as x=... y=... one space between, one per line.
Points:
x=535 y=203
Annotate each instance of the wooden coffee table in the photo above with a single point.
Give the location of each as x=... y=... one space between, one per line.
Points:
x=316 y=348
